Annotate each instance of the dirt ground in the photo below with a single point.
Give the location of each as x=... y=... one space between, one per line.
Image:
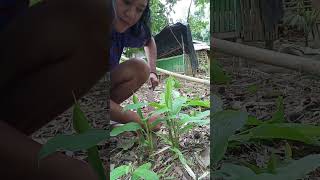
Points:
x=301 y=93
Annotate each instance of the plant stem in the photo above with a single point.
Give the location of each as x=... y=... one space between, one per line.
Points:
x=170 y=132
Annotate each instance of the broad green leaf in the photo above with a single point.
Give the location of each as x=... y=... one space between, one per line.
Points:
x=306 y=129
x=297 y=169
x=81 y=125
x=74 y=142
x=202 y=114
x=156 y=105
x=216 y=104
x=234 y=172
x=177 y=104
x=253 y=121
x=218 y=76
x=144 y=172
x=134 y=106
x=132 y=126
x=79 y=120
x=119 y=171
x=96 y=162
x=136 y=101
x=278 y=116
x=168 y=92
x=225 y=124
x=158 y=112
x=288 y=131
x=198 y=103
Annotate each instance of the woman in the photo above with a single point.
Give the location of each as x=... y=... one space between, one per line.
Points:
x=46 y=53
x=131 y=29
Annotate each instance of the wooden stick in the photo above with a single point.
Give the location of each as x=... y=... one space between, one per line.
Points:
x=266 y=56
x=202 y=81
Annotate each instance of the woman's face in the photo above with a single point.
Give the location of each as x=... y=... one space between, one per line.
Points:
x=128 y=13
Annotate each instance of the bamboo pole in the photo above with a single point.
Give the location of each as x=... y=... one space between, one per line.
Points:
x=202 y=81
x=266 y=56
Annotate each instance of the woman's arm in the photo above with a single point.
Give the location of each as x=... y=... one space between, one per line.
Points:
x=151 y=52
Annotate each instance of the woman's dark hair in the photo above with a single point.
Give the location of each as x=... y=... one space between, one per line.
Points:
x=144 y=23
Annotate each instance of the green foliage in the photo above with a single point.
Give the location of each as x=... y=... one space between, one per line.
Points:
x=217 y=74
x=142 y=171
x=296 y=169
x=225 y=124
x=199 y=26
x=132 y=126
x=85 y=139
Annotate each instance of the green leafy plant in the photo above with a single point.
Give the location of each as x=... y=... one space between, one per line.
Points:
x=146 y=129
x=176 y=122
x=85 y=138
x=296 y=169
x=169 y=108
x=230 y=126
x=142 y=171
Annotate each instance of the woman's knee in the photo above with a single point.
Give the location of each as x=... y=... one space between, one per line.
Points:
x=140 y=68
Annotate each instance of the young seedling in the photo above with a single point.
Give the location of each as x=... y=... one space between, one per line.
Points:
x=145 y=129
x=171 y=105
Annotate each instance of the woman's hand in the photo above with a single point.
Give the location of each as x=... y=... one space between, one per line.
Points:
x=152 y=119
x=153 y=80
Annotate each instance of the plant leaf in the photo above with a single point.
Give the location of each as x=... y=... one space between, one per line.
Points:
x=132 y=126
x=253 y=121
x=136 y=101
x=198 y=103
x=168 y=92
x=297 y=169
x=177 y=104
x=290 y=131
x=119 y=171
x=74 y=142
x=81 y=125
x=79 y=120
x=144 y=172
x=278 y=116
x=225 y=124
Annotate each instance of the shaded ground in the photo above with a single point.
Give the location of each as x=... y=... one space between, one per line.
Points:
x=301 y=93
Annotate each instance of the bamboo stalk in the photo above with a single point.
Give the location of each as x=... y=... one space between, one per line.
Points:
x=189 y=78
x=267 y=56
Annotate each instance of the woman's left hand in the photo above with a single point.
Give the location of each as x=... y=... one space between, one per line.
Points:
x=153 y=80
